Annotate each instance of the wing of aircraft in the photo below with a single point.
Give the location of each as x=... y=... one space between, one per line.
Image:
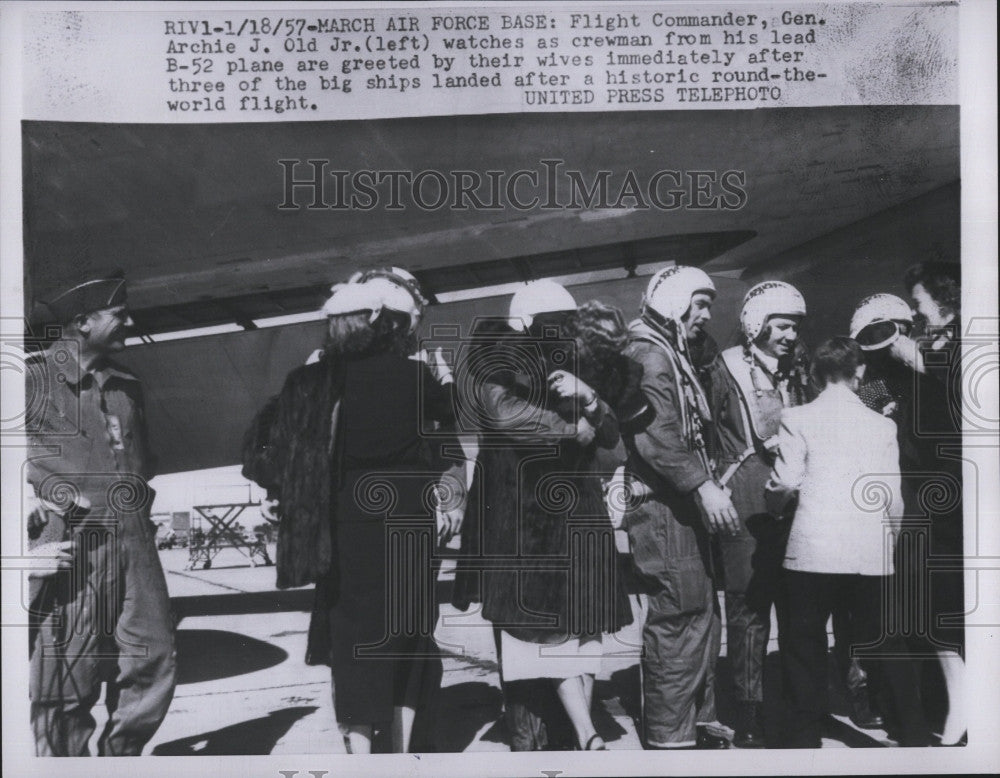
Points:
x=839 y=202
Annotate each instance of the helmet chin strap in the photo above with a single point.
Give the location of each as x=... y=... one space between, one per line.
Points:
x=654 y=317
x=661 y=323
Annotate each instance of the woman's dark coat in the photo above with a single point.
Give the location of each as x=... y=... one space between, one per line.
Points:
x=537 y=545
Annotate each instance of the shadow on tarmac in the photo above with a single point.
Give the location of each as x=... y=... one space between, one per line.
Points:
x=242 y=603
x=469 y=708
x=211 y=654
x=256 y=736
x=464 y=709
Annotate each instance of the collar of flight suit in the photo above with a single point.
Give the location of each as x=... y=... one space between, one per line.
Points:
x=766 y=360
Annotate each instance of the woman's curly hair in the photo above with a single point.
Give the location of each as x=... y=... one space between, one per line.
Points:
x=355 y=335
x=943 y=282
x=601 y=334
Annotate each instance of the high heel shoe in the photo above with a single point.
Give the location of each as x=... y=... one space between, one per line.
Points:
x=962 y=741
x=590 y=744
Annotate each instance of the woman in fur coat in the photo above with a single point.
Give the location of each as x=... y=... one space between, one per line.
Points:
x=345 y=452
x=548 y=573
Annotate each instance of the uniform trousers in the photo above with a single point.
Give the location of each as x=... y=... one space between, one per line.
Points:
x=106 y=619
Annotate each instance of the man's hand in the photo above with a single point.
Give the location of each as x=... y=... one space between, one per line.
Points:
x=40 y=512
x=771 y=445
x=439 y=367
x=449 y=524
x=38 y=517
x=718 y=509
x=904 y=349
x=585 y=432
x=451 y=500
x=49 y=558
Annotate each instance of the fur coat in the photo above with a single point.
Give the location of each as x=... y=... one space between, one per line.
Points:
x=288 y=451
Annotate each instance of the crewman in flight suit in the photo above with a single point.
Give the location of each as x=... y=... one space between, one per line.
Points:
x=748 y=386
x=674 y=506
x=99 y=604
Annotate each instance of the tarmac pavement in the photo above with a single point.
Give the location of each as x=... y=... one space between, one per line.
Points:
x=244 y=687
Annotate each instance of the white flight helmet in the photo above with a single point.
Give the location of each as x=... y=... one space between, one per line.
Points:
x=766 y=299
x=670 y=290
x=397 y=274
x=875 y=323
x=375 y=294
x=537 y=297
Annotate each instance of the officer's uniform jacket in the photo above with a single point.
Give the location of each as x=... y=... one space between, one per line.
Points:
x=87 y=443
x=87 y=429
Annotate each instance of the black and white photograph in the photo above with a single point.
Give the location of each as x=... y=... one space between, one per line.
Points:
x=392 y=388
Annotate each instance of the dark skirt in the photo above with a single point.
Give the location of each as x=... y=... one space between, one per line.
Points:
x=374 y=623
x=930 y=585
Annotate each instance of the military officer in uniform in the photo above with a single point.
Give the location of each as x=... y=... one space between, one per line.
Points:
x=99 y=604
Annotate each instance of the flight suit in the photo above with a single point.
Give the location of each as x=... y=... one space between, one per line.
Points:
x=751 y=559
x=671 y=551
x=107 y=618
